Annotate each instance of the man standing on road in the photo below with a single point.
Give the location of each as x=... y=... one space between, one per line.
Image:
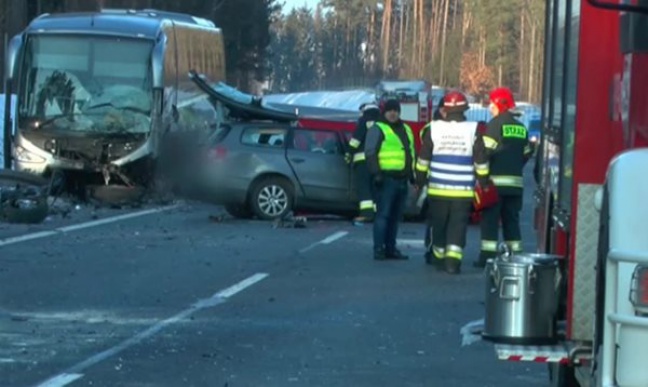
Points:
x=356 y=155
x=451 y=155
x=390 y=154
x=508 y=150
x=437 y=116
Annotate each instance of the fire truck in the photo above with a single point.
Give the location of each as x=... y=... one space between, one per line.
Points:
x=591 y=195
x=417 y=99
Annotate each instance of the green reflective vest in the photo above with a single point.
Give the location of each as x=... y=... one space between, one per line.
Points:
x=391 y=156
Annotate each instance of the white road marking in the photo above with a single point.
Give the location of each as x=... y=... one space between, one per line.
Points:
x=328 y=240
x=239 y=287
x=61 y=380
x=214 y=300
x=471 y=332
x=412 y=242
x=80 y=226
x=334 y=237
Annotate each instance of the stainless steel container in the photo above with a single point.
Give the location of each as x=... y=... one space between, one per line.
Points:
x=522 y=296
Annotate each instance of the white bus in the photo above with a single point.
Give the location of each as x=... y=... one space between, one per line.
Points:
x=98 y=93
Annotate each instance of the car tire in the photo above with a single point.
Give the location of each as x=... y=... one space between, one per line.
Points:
x=239 y=211
x=271 y=198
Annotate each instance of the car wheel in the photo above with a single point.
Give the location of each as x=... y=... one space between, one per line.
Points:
x=240 y=211
x=271 y=198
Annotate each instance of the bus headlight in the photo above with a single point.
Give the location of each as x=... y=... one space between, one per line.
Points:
x=24 y=156
x=534 y=139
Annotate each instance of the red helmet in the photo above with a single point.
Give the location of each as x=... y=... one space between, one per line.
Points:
x=455 y=99
x=502 y=97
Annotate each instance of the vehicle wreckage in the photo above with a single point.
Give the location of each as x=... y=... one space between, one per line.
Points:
x=23 y=197
x=98 y=96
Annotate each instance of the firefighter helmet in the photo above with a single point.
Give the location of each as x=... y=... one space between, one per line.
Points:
x=502 y=97
x=455 y=99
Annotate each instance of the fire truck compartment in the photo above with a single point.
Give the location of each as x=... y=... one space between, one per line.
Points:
x=410 y=111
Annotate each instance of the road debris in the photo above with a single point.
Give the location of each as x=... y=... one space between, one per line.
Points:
x=290 y=221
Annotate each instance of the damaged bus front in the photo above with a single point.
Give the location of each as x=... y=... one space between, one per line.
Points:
x=96 y=92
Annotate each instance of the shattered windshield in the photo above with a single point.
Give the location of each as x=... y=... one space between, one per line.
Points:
x=86 y=84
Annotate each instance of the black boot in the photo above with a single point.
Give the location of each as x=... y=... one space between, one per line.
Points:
x=452 y=266
x=429 y=258
x=380 y=255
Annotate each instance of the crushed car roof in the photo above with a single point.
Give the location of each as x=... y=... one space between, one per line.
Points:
x=249 y=107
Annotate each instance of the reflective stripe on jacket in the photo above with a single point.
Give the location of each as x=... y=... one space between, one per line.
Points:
x=452 y=170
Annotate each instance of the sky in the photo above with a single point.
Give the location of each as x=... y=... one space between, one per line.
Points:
x=290 y=4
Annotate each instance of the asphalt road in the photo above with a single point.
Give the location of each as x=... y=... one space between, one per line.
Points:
x=172 y=298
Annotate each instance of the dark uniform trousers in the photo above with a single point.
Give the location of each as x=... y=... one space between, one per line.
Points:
x=508 y=211
x=428 y=228
x=449 y=221
x=364 y=189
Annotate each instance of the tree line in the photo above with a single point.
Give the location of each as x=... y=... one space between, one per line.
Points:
x=471 y=44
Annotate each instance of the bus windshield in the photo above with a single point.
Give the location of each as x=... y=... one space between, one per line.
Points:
x=85 y=84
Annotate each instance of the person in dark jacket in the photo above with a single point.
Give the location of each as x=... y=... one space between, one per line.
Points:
x=438 y=113
x=390 y=154
x=356 y=156
x=508 y=150
x=452 y=156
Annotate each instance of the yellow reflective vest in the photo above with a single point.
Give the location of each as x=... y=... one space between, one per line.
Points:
x=391 y=156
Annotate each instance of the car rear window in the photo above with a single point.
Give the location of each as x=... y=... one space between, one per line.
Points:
x=268 y=137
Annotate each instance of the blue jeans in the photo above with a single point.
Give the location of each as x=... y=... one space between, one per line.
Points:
x=391 y=198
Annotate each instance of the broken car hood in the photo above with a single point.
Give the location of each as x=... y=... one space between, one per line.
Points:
x=240 y=105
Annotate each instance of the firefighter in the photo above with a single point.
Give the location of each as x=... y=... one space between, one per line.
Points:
x=508 y=150
x=438 y=115
x=370 y=114
x=452 y=155
x=390 y=154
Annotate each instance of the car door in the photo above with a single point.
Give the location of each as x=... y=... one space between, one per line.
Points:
x=317 y=159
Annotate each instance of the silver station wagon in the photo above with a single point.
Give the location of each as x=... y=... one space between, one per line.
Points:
x=267 y=169
x=258 y=162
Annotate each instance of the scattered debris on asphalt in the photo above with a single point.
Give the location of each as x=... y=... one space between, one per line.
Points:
x=290 y=221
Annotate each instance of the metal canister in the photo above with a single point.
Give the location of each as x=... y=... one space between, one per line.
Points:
x=522 y=297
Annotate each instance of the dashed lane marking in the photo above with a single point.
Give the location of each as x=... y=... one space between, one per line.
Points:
x=328 y=240
x=61 y=380
x=67 y=376
x=81 y=226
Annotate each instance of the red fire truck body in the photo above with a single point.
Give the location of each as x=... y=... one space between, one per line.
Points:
x=348 y=126
x=592 y=191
